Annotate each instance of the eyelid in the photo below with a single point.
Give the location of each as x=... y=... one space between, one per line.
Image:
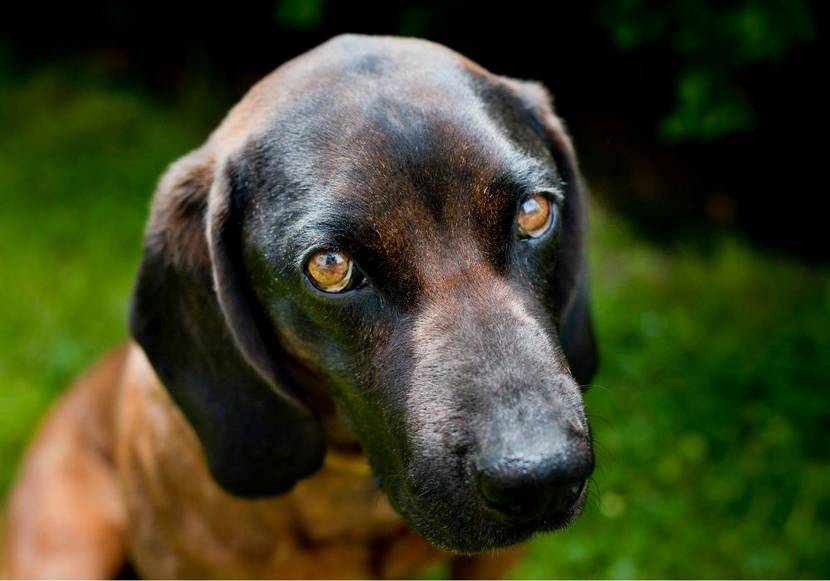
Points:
x=555 y=193
x=318 y=245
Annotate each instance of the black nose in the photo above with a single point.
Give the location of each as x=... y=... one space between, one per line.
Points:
x=527 y=488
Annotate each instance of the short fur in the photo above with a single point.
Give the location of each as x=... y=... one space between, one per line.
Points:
x=228 y=421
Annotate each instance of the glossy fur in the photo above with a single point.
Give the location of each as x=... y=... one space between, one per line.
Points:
x=464 y=345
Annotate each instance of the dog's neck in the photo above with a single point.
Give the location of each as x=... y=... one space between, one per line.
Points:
x=173 y=498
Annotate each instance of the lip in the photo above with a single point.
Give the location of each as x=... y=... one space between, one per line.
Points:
x=510 y=531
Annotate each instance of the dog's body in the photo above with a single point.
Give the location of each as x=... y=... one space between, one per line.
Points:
x=116 y=470
x=229 y=440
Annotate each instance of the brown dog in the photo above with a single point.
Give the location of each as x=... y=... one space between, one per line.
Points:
x=361 y=326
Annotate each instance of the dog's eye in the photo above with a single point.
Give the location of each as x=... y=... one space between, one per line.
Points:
x=536 y=214
x=330 y=271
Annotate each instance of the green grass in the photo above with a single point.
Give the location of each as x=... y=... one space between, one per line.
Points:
x=711 y=409
x=710 y=412
x=78 y=162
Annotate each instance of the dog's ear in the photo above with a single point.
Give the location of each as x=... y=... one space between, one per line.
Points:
x=194 y=314
x=570 y=293
x=576 y=331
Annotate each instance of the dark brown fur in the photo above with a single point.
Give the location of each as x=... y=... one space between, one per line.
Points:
x=246 y=431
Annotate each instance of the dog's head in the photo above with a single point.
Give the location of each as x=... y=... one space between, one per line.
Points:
x=383 y=229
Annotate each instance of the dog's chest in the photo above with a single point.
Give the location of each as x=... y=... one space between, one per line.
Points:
x=334 y=524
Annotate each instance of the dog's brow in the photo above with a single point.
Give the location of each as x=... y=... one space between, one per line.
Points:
x=312 y=237
x=534 y=175
x=330 y=230
x=331 y=225
x=555 y=192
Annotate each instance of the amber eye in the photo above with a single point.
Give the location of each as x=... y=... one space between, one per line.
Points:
x=330 y=271
x=535 y=216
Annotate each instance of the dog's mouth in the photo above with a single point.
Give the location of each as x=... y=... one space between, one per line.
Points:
x=473 y=525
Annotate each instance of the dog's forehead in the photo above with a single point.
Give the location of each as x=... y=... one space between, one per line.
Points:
x=399 y=146
x=345 y=67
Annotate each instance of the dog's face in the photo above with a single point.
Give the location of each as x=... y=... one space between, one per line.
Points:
x=405 y=228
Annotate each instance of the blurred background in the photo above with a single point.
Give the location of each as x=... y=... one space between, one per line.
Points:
x=701 y=130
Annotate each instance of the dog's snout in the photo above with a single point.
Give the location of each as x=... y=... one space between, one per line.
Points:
x=528 y=488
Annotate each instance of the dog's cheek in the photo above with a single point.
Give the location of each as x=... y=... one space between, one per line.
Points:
x=369 y=420
x=366 y=407
x=309 y=337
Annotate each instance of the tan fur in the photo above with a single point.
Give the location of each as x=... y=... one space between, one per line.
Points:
x=65 y=516
x=116 y=470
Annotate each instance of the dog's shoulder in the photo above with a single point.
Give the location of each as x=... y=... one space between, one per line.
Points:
x=65 y=516
x=184 y=524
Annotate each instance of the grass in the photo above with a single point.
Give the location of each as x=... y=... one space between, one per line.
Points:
x=710 y=412
x=77 y=165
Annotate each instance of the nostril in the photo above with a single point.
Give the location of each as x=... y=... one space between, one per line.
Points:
x=527 y=488
x=505 y=489
x=567 y=496
x=500 y=484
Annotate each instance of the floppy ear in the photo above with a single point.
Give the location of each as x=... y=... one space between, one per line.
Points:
x=576 y=331
x=570 y=291
x=194 y=315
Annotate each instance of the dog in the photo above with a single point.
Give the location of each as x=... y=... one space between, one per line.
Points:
x=360 y=334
